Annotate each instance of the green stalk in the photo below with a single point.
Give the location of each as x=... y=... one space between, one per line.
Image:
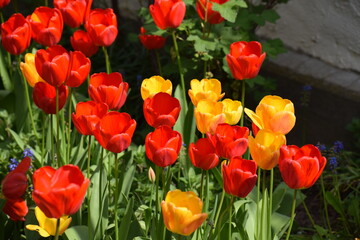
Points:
x=57 y=129
x=309 y=215
x=116 y=196
x=88 y=176
x=258 y=219
x=230 y=215
x=182 y=81
x=57 y=229
x=270 y=202
x=69 y=129
x=242 y=102
x=325 y=202
x=107 y=60
x=202 y=185
x=292 y=215
x=52 y=139
x=150 y=206
x=158 y=62
x=219 y=209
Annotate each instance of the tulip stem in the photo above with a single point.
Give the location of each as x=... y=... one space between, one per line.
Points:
x=258 y=219
x=230 y=215
x=292 y=215
x=325 y=202
x=219 y=209
x=107 y=60
x=57 y=229
x=270 y=202
x=57 y=128
x=69 y=128
x=242 y=102
x=26 y=89
x=182 y=81
x=158 y=62
x=202 y=185
x=116 y=196
x=309 y=215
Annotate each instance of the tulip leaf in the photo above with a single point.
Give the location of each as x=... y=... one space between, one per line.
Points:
x=4 y=73
x=334 y=202
x=126 y=220
x=77 y=233
x=229 y=10
x=279 y=224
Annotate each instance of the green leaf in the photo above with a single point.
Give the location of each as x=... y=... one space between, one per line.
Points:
x=273 y=47
x=4 y=72
x=229 y=10
x=334 y=202
x=77 y=233
x=126 y=220
x=270 y=15
x=202 y=45
x=279 y=223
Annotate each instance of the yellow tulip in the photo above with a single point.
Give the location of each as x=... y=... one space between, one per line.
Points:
x=154 y=85
x=182 y=212
x=47 y=226
x=205 y=89
x=273 y=113
x=208 y=115
x=28 y=69
x=233 y=111
x=265 y=148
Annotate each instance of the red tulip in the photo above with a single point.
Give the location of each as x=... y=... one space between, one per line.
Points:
x=16 y=34
x=47 y=25
x=109 y=89
x=245 y=59
x=162 y=109
x=15 y=184
x=52 y=64
x=163 y=145
x=114 y=131
x=168 y=13
x=230 y=141
x=239 y=176
x=205 y=12
x=3 y=3
x=73 y=11
x=102 y=26
x=16 y=209
x=44 y=96
x=88 y=115
x=151 y=41
x=81 y=41
x=301 y=167
x=79 y=69
x=59 y=192
x=203 y=154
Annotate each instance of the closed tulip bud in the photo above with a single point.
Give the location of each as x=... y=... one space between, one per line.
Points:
x=233 y=111
x=273 y=113
x=239 y=176
x=203 y=154
x=47 y=25
x=16 y=209
x=163 y=145
x=205 y=12
x=151 y=175
x=162 y=109
x=44 y=96
x=15 y=184
x=114 y=131
x=47 y=226
x=205 y=89
x=168 y=13
x=209 y=115
x=151 y=41
x=59 y=192
x=79 y=69
x=109 y=89
x=230 y=141
x=28 y=69
x=81 y=41
x=102 y=27
x=265 y=148
x=88 y=115
x=153 y=85
x=73 y=11
x=16 y=34
x=182 y=212
x=245 y=59
x=301 y=167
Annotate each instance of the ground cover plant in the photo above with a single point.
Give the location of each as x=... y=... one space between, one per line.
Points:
x=149 y=136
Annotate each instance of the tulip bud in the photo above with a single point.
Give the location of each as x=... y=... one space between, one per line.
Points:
x=151 y=174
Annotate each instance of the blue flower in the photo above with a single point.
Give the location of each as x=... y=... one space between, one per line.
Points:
x=321 y=147
x=13 y=164
x=338 y=146
x=333 y=162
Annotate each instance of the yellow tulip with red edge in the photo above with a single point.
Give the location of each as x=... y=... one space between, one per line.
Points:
x=273 y=113
x=208 y=115
x=205 y=89
x=265 y=148
x=28 y=69
x=153 y=85
x=182 y=212
x=47 y=226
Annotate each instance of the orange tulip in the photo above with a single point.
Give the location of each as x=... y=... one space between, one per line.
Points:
x=209 y=115
x=182 y=212
x=205 y=89
x=28 y=69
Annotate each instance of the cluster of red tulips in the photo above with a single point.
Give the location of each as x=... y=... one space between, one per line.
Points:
x=53 y=71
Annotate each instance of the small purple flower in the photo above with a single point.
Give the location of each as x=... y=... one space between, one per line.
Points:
x=321 y=147
x=13 y=164
x=338 y=146
x=28 y=153
x=333 y=162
